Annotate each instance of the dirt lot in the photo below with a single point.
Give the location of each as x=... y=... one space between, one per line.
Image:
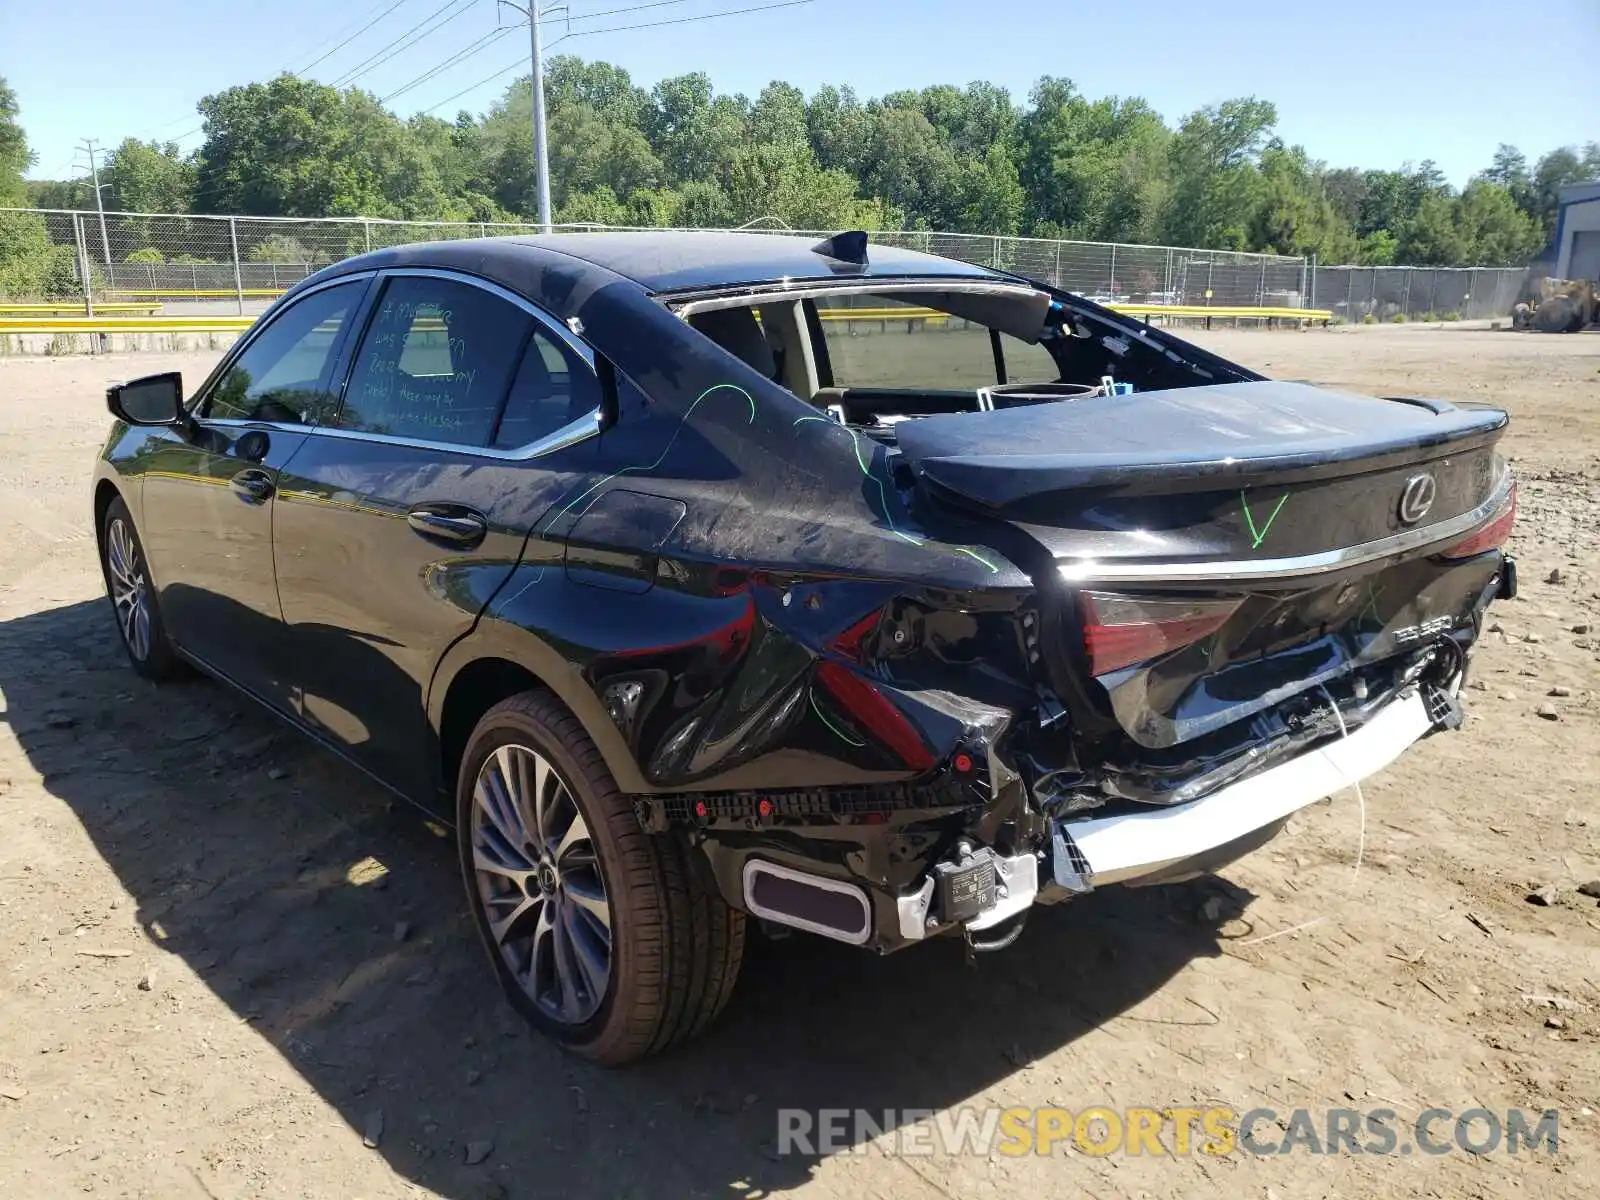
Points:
x=225 y=957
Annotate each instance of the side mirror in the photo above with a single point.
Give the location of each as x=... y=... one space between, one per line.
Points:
x=153 y=400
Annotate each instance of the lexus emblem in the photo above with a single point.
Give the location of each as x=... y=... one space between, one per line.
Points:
x=1417 y=498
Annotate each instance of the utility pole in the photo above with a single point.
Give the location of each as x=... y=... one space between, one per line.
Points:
x=541 y=149
x=88 y=147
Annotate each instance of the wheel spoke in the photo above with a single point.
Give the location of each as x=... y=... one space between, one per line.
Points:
x=506 y=925
x=566 y=971
x=493 y=796
x=577 y=834
x=590 y=899
x=592 y=960
x=495 y=861
x=541 y=800
x=141 y=629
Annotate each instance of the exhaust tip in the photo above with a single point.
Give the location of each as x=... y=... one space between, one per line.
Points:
x=800 y=900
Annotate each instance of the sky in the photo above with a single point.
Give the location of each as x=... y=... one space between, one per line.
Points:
x=1366 y=83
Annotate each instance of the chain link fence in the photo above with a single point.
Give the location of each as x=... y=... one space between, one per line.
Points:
x=50 y=255
x=1377 y=294
x=172 y=258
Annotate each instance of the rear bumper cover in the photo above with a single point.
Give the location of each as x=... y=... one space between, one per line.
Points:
x=1128 y=847
x=1168 y=844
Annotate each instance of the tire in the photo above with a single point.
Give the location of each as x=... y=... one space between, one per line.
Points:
x=674 y=945
x=133 y=597
x=1556 y=315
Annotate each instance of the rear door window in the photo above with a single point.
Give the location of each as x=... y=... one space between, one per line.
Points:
x=436 y=362
x=554 y=386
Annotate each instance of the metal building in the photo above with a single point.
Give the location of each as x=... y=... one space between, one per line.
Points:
x=1578 y=232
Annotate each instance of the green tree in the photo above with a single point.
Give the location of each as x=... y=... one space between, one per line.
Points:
x=1431 y=237
x=839 y=128
x=1494 y=231
x=1294 y=214
x=694 y=131
x=1095 y=170
x=294 y=147
x=1215 y=183
x=148 y=177
x=15 y=156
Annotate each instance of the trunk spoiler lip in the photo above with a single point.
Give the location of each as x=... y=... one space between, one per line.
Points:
x=1075 y=572
x=987 y=460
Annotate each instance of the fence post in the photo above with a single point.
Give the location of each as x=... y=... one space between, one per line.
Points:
x=1405 y=303
x=1166 y=284
x=1311 y=301
x=238 y=278
x=483 y=230
x=83 y=265
x=1060 y=283
x=1466 y=301
x=1111 y=289
x=1261 y=288
x=366 y=232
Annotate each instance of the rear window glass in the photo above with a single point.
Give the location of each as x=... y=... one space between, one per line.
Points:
x=880 y=341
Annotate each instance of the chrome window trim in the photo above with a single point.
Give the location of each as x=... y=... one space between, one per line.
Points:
x=809 y=289
x=570 y=434
x=546 y=319
x=1083 y=571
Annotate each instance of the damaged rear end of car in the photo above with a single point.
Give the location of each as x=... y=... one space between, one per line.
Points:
x=940 y=654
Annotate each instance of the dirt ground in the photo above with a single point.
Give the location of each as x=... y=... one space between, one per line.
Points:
x=230 y=967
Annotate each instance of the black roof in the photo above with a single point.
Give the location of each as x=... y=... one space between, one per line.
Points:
x=677 y=260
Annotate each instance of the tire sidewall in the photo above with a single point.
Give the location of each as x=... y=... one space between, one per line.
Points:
x=502 y=727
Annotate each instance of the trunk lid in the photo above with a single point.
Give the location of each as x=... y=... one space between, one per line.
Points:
x=1206 y=553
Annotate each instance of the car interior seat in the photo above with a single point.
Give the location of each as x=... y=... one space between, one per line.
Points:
x=738 y=332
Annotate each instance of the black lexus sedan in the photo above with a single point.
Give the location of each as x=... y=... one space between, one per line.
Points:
x=696 y=577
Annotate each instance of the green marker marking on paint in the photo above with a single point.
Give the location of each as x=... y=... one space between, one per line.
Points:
x=1260 y=535
x=823 y=717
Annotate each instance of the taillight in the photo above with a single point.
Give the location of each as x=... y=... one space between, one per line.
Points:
x=1487 y=537
x=1119 y=630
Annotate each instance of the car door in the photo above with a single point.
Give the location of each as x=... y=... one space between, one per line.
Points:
x=466 y=414
x=207 y=492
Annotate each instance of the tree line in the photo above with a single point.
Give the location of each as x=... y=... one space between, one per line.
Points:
x=949 y=158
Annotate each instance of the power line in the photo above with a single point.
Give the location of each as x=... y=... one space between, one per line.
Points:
x=461 y=56
x=330 y=53
x=611 y=12
x=153 y=130
x=474 y=87
x=736 y=12
x=406 y=40
x=732 y=12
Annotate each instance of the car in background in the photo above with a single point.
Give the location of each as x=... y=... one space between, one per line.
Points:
x=696 y=577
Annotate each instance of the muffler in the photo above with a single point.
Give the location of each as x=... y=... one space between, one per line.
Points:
x=800 y=900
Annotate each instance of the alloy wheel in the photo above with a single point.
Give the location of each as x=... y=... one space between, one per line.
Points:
x=130 y=589
x=539 y=880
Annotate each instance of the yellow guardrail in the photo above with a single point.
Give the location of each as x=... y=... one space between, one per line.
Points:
x=197 y=293
x=116 y=324
x=64 y=310
x=1245 y=311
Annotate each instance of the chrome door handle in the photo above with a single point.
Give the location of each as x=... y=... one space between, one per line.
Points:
x=453 y=523
x=253 y=486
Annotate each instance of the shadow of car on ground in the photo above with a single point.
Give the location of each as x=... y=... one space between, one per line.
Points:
x=281 y=877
